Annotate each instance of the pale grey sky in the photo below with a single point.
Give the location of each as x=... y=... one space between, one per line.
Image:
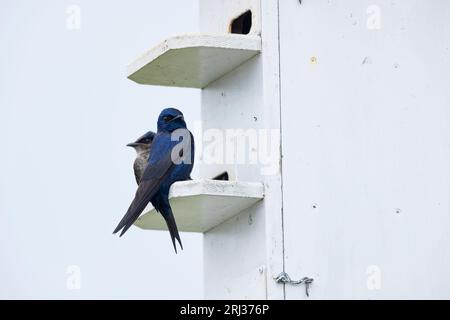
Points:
x=66 y=113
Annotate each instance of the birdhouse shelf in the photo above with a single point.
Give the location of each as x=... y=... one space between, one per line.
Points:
x=193 y=60
x=200 y=205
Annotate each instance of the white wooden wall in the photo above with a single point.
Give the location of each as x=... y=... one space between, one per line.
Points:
x=366 y=147
x=362 y=91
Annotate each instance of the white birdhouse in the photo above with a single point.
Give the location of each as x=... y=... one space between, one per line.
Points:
x=341 y=109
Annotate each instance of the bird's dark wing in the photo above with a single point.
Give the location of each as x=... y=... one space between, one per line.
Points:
x=151 y=180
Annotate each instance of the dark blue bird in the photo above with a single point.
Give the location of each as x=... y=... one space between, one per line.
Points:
x=171 y=159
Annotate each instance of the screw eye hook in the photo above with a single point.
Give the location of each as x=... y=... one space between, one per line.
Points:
x=283 y=277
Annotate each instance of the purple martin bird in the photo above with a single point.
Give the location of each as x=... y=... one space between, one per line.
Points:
x=171 y=159
x=142 y=146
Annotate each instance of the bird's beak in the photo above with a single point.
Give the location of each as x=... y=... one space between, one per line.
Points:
x=180 y=116
x=132 y=144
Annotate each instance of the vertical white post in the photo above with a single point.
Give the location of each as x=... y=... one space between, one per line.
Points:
x=243 y=254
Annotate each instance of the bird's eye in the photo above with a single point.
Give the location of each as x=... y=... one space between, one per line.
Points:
x=167 y=118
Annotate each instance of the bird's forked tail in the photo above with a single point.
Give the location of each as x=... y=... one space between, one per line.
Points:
x=172 y=226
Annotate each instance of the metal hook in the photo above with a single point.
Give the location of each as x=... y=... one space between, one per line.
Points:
x=283 y=277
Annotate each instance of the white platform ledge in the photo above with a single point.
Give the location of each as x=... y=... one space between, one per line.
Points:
x=200 y=205
x=193 y=60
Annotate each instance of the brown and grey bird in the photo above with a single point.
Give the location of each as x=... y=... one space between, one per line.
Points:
x=142 y=146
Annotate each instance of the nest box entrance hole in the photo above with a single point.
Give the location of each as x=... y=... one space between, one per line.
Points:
x=242 y=24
